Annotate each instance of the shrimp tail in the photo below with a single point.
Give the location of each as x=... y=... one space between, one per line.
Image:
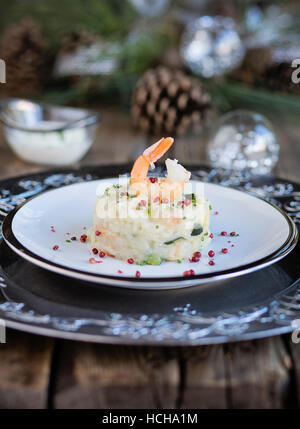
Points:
x=151 y=154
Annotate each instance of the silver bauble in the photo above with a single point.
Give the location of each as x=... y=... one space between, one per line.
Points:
x=150 y=8
x=244 y=140
x=211 y=46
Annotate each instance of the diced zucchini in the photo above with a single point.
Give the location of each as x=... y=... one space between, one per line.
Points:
x=173 y=241
x=190 y=196
x=153 y=259
x=197 y=230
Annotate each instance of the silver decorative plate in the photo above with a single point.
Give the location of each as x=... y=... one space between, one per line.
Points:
x=262 y=303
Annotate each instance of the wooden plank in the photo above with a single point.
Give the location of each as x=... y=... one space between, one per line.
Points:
x=294 y=347
x=258 y=373
x=117 y=142
x=25 y=362
x=102 y=376
x=204 y=378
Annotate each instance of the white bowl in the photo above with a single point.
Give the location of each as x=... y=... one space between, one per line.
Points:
x=48 y=134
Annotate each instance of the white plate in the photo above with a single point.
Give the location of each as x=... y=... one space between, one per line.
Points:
x=265 y=235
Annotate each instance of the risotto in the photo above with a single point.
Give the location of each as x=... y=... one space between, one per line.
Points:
x=152 y=219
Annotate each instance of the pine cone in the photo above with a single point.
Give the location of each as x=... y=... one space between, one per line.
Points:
x=24 y=53
x=269 y=68
x=256 y=62
x=167 y=101
x=278 y=77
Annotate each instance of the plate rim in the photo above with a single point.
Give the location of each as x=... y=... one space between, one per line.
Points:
x=52 y=332
x=133 y=282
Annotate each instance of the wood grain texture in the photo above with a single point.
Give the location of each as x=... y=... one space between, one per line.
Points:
x=204 y=383
x=258 y=373
x=103 y=376
x=295 y=356
x=25 y=362
x=261 y=374
x=118 y=142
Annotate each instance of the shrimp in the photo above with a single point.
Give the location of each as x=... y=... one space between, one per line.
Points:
x=169 y=188
x=151 y=154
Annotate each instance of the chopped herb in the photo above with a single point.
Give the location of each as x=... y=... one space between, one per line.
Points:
x=197 y=230
x=178 y=261
x=210 y=207
x=149 y=212
x=68 y=241
x=116 y=186
x=173 y=241
x=156 y=226
x=61 y=134
x=190 y=196
x=184 y=217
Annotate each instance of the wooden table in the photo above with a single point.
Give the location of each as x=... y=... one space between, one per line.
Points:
x=38 y=372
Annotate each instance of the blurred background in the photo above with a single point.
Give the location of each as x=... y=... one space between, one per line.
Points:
x=151 y=68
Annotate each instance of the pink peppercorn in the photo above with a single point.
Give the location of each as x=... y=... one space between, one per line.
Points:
x=153 y=179
x=55 y=247
x=83 y=238
x=194 y=259
x=138 y=274
x=211 y=253
x=197 y=254
x=97 y=232
x=93 y=261
x=211 y=262
x=130 y=261
x=224 y=250
x=156 y=200
x=142 y=203
x=165 y=200
x=223 y=233
x=187 y=202
x=189 y=273
x=101 y=254
x=120 y=271
x=95 y=251
x=211 y=235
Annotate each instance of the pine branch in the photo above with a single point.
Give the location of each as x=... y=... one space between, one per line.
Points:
x=231 y=95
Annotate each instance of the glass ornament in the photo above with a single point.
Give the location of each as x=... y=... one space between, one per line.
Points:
x=244 y=140
x=211 y=46
x=150 y=8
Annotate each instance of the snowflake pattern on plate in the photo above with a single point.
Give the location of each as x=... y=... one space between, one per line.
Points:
x=184 y=325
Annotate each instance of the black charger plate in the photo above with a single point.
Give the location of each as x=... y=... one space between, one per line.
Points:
x=263 y=303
